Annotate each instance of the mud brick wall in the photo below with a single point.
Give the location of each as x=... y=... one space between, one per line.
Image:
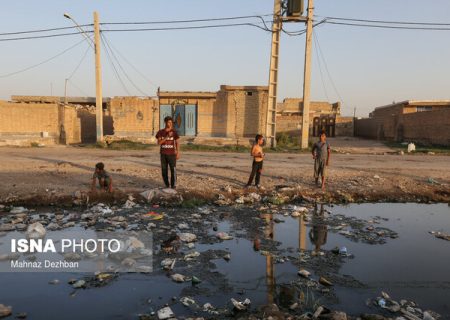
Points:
x=290 y=124
x=429 y=127
x=27 y=121
x=366 y=128
x=344 y=126
x=246 y=110
x=132 y=118
x=72 y=125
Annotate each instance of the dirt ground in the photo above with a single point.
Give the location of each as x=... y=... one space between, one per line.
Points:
x=360 y=171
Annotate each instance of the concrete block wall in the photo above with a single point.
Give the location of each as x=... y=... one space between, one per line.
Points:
x=430 y=127
x=246 y=110
x=133 y=117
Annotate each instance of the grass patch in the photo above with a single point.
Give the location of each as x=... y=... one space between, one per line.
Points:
x=193 y=203
x=120 y=145
x=420 y=148
x=231 y=148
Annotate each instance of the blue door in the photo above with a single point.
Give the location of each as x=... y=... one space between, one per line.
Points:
x=164 y=111
x=179 y=120
x=191 y=119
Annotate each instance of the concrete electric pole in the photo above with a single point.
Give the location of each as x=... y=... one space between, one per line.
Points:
x=98 y=72
x=98 y=81
x=307 y=77
x=273 y=76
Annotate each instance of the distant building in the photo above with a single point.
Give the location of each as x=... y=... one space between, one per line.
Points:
x=421 y=121
x=233 y=114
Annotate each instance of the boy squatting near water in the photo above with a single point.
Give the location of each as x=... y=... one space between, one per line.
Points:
x=258 y=157
x=321 y=154
x=104 y=180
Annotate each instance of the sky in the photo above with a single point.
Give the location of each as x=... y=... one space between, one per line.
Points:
x=361 y=67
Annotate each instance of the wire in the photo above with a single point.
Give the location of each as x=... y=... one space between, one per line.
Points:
x=326 y=68
x=387 y=27
x=301 y=32
x=42 y=37
x=123 y=70
x=111 y=61
x=388 y=22
x=186 y=21
x=129 y=63
x=320 y=67
x=78 y=88
x=43 y=30
x=192 y=27
x=41 y=63
x=79 y=63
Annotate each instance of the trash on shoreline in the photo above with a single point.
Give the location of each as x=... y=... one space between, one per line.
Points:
x=241 y=305
x=165 y=313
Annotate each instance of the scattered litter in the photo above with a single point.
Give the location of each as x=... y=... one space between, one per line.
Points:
x=165 y=313
x=129 y=204
x=195 y=280
x=152 y=216
x=411 y=147
x=16 y=210
x=5 y=311
x=187 y=301
x=241 y=305
x=325 y=282
x=178 y=277
x=304 y=273
x=79 y=284
x=183 y=226
x=36 y=231
x=187 y=237
x=223 y=236
x=191 y=256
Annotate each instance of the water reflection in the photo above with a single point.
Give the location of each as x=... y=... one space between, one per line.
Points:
x=285 y=295
x=319 y=230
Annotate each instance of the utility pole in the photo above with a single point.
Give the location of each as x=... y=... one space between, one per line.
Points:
x=98 y=81
x=273 y=76
x=307 y=77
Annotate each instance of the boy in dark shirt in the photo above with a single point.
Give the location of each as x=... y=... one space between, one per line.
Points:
x=170 y=152
x=321 y=154
x=104 y=180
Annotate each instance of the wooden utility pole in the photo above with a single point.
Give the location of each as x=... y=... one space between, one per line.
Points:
x=273 y=76
x=98 y=81
x=307 y=77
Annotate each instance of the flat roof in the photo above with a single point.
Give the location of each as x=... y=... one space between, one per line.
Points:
x=54 y=99
x=417 y=103
x=187 y=94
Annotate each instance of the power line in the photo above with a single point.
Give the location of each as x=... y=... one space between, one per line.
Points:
x=187 y=21
x=301 y=32
x=131 y=65
x=42 y=30
x=387 y=26
x=326 y=68
x=78 y=88
x=388 y=22
x=41 y=63
x=43 y=36
x=79 y=63
x=320 y=67
x=111 y=61
x=192 y=27
x=121 y=68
